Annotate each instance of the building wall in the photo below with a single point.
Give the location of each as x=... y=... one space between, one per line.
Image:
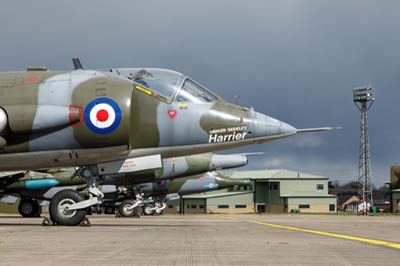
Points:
x=260 y=190
x=242 y=203
x=395 y=177
x=9 y=208
x=193 y=206
x=190 y=206
x=301 y=185
x=172 y=207
x=231 y=209
x=195 y=210
x=396 y=202
x=267 y=194
x=315 y=204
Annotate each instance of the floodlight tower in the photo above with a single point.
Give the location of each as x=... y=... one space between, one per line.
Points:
x=363 y=98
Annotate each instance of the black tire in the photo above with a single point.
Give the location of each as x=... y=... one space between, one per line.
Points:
x=66 y=197
x=146 y=209
x=28 y=208
x=109 y=210
x=123 y=208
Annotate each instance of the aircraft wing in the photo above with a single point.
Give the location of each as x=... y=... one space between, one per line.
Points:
x=5 y=175
x=7 y=178
x=8 y=199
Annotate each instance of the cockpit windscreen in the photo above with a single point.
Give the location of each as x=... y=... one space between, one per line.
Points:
x=168 y=85
x=194 y=93
x=162 y=81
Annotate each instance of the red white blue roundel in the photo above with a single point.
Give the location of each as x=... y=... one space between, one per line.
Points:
x=162 y=183
x=102 y=115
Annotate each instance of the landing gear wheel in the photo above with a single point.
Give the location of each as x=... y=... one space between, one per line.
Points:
x=148 y=209
x=125 y=208
x=58 y=208
x=28 y=208
x=109 y=210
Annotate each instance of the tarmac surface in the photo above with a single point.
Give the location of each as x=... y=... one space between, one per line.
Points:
x=204 y=240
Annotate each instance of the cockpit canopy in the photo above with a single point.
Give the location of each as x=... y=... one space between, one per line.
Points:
x=168 y=85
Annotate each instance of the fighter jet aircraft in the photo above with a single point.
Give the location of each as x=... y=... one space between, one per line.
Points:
x=162 y=191
x=38 y=187
x=118 y=122
x=33 y=186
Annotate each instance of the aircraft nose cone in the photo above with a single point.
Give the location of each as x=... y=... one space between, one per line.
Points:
x=268 y=126
x=224 y=161
x=287 y=129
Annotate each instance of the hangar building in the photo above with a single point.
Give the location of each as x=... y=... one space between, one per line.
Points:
x=272 y=191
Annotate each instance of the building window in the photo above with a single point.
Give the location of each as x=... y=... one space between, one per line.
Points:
x=241 y=188
x=193 y=206
x=223 y=206
x=320 y=186
x=331 y=207
x=240 y=206
x=304 y=206
x=201 y=206
x=273 y=186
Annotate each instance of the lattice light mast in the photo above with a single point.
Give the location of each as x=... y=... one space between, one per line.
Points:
x=363 y=98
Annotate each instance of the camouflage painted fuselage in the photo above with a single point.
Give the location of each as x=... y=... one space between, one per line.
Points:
x=178 y=167
x=191 y=184
x=55 y=111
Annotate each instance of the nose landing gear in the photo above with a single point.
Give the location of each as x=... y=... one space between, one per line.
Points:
x=68 y=207
x=60 y=208
x=129 y=207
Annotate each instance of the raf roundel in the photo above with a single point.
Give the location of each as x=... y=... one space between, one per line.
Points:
x=102 y=115
x=162 y=183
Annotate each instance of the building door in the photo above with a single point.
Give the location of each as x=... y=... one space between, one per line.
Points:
x=285 y=205
x=260 y=208
x=398 y=205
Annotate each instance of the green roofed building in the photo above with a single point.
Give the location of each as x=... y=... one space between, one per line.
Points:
x=396 y=201
x=272 y=191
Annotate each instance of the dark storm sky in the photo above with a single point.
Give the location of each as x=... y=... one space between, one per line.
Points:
x=295 y=60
